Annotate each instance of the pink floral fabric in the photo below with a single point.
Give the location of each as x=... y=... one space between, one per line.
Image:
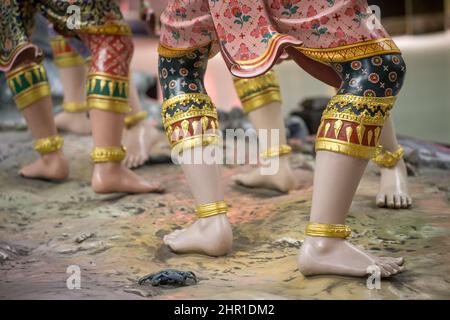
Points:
x=252 y=34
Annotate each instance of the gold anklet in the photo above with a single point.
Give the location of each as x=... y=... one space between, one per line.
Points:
x=328 y=230
x=48 y=145
x=387 y=159
x=108 y=154
x=75 y=106
x=211 y=209
x=132 y=119
x=276 y=152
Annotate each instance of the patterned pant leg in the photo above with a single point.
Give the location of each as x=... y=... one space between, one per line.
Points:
x=28 y=83
x=189 y=116
x=257 y=92
x=353 y=119
x=108 y=76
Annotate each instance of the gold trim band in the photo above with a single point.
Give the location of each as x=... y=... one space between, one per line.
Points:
x=328 y=230
x=258 y=92
x=28 y=84
x=194 y=142
x=168 y=52
x=49 y=144
x=276 y=152
x=211 y=209
x=33 y=94
x=385 y=104
x=387 y=159
x=108 y=154
x=351 y=52
x=132 y=119
x=343 y=147
x=106 y=104
x=115 y=29
x=75 y=106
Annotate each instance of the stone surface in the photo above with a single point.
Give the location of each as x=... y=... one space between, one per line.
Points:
x=39 y=222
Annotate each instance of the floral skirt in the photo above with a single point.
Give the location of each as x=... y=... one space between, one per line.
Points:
x=253 y=34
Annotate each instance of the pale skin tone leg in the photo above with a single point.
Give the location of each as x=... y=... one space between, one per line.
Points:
x=139 y=138
x=210 y=236
x=393 y=192
x=39 y=118
x=52 y=166
x=332 y=197
x=270 y=117
x=112 y=177
x=73 y=80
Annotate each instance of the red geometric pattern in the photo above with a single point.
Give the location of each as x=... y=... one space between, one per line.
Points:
x=111 y=54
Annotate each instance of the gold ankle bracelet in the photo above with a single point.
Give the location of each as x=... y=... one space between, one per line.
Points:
x=328 y=230
x=276 y=152
x=132 y=119
x=211 y=209
x=387 y=159
x=108 y=154
x=49 y=144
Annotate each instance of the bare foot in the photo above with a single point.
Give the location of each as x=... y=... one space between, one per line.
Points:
x=284 y=180
x=327 y=256
x=75 y=122
x=139 y=140
x=209 y=236
x=393 y=192
x=51 y=166
x=112 y=177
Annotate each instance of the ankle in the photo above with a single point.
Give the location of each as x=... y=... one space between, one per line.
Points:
x=107 y=167
x=322 y=245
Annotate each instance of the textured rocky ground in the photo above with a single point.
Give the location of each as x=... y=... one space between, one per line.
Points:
x=42 y=225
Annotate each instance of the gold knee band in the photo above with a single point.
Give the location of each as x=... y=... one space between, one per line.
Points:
x=276 y=152
x=351 y=125
x=132 y=119
x=385 y=158
x=75 y=106
x=258 y=92
x=28 y=84
x=63 y=54
x=108 y=154
x=328 y=230
x=48 y=145
x=108 y=92
x=190 y=121
x=211 y=209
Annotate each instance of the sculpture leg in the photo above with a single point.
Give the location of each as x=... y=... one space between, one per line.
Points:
x=107 y=99
x=346 y=140
x=190 y=119
x=140 y=134
x=393 y=191
x=72 y=72
x=29 y=85
x=261 y=100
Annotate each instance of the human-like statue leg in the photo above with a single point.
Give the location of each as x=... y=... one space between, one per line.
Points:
x=261 y=100
x=72 y=72
x=107 y=99
x=393 y=191
x=140 y=134
x=347 y=139
x=191 y=122
x=29 y=85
